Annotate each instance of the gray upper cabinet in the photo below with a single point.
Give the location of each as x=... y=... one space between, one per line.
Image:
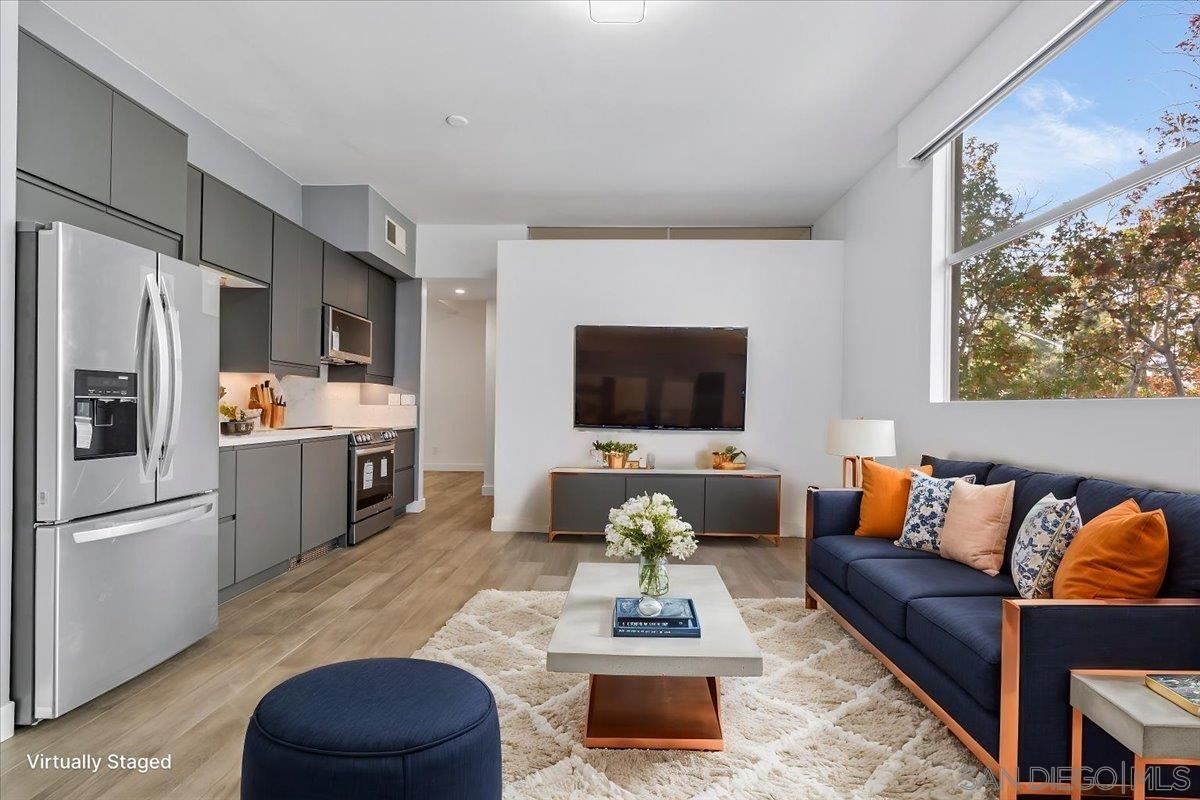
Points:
x=149 y=166
x=268 y=507
x=326 y=491
x=191 y=233
x=64 y=128
x=381 y=300
x=296 y=296
x=235 y=231
x=345 y=281
x=37 y=203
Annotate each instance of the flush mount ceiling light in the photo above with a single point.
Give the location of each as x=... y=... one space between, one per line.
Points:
x=457 y=121
x=460 y=291
x=626 y=12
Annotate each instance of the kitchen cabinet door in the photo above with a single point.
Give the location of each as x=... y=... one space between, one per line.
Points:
x=406 y=449
x=268 y=507
x=226 y=483
x=344 y=283
x=149 y=166
x=64 y=121
x=381 y=299
x=326 y=488
x=404 y=489
x=226 y=545
x=235 y=231
x=191 y=233
x=296 y=296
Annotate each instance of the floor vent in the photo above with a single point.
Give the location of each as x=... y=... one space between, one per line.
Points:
x=314 y=553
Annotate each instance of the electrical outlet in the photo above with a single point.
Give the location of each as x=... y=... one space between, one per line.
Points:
x=408 y=399
x=395 y=399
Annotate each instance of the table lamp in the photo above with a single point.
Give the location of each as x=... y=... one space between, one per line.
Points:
x=859 y=439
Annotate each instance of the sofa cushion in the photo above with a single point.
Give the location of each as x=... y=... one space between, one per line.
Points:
x=950 y=468
x=885 y=586
x=1031 y=487
x=961 y=635
x=1182 y=511
x=832 y=555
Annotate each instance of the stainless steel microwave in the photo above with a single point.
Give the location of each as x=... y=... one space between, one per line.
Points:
x=347 y=338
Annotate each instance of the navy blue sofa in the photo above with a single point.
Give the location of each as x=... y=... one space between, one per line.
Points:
x=993 y=667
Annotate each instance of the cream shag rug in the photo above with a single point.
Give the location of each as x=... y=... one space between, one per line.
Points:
x=826 y=720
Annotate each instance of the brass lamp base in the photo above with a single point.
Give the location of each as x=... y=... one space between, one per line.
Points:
x=852 y=477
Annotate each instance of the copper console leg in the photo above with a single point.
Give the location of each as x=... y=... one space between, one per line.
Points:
x=1076 y=754
x=1139 y=778
x=654 y=712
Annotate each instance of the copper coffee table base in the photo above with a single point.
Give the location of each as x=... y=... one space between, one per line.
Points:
x=654 y=712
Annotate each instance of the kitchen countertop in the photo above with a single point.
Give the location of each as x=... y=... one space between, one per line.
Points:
x=278 y=435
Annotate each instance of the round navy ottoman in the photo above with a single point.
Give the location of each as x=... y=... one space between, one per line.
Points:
x=395 y=728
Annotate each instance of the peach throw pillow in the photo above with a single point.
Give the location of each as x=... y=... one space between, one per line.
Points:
x=885 y=499
x=1120 y=554
x=976 y=526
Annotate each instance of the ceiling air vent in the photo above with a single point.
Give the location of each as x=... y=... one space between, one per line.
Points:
x=395 y=235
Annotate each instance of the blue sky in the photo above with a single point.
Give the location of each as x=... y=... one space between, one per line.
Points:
x=1078 y=122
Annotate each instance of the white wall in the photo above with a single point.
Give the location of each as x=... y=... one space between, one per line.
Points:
x=461 y=251
x=489 y=398
x=886 y=224
x=787 y=293
x=454 y=407
x=8 y=260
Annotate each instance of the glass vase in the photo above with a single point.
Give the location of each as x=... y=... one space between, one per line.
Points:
x=652 y=584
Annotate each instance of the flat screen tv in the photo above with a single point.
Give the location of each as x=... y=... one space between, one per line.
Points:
x=691 y=379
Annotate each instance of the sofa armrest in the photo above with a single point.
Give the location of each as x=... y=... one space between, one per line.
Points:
x=831 y=512
x=1043 y=640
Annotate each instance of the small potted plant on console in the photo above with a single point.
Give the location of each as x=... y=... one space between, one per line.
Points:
x=614 y=453
x=728 y=458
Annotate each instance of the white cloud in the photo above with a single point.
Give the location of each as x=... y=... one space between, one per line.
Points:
x=1051 y=150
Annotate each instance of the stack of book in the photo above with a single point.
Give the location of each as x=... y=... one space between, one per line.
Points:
x=677 y=620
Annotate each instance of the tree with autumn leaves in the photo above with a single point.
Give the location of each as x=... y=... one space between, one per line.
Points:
x=1094 y=307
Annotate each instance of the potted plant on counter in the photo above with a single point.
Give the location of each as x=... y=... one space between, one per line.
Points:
x=614 y=453
x=728 y=458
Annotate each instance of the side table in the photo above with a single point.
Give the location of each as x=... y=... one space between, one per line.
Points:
x=1119 y=702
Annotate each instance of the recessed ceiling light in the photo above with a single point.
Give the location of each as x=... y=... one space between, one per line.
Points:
x=457 y=121
x=621 y=11
x=460 y=291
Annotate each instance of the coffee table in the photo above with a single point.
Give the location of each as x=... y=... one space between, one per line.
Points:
x=661 y=694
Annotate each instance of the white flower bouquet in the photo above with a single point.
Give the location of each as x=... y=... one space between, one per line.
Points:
x=649 y=527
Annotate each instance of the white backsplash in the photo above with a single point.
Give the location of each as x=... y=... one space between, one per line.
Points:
x=315 y=401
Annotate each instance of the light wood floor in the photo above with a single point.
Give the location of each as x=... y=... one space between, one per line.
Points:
x=382 y=598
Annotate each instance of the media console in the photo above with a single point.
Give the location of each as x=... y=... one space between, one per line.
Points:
x=716 y=502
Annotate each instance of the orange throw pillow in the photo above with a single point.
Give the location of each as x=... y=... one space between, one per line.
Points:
x=885 y=499
x=1121 y=554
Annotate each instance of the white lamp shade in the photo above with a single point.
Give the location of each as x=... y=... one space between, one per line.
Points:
x=861 y=437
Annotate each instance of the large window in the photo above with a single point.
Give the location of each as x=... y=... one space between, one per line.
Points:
x=1076 y=265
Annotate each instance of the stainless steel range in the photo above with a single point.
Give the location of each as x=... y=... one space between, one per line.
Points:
x=372 y=471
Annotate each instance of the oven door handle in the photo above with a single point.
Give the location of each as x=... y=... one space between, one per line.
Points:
x=370 y=451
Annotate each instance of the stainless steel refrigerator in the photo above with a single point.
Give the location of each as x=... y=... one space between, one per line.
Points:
x=115 y=557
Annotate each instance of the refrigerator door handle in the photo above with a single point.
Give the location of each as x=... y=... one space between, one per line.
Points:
x=154 y=359
x=176 y=359
x=102 y=532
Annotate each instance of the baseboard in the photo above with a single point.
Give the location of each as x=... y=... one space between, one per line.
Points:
x=488 y=490
x=416 y=506
x=453 y=467
x=7 y=720
x=517 y=525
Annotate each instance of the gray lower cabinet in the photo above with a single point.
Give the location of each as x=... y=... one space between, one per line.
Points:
x=64 y=123
x=296 y=288
x=226 y=533
x=325 y=490
x=404 y=489
x=268 y=507
x=344 y=282
x=581 y=502
x=685 y=490
x=226 y=484
x=406 y=449
x=235 y=231
x=741 y=505
x=149 y=166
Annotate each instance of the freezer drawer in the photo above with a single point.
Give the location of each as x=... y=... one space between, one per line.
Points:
x=118 y=594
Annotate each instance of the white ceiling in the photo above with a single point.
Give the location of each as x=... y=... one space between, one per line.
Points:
x=707 y=113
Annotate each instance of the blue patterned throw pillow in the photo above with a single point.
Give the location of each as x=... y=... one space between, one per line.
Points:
x=1049 y=527
x=928 y=500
